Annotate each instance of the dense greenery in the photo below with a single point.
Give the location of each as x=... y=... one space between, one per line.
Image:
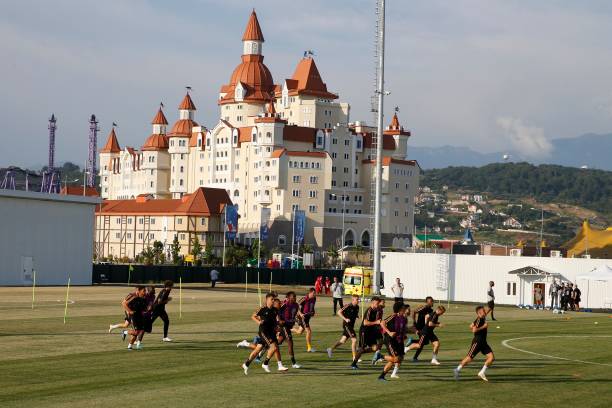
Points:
x=545 y=183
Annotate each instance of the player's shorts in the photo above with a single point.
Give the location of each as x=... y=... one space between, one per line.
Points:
x=127 y=318
x=426 y=338
x=394 y=347
x=148 y=324
x=348 y=331
x=303 y=321
x=138 y=321
x=368 y=337
x=286 y=330
x=491 y=305
x=267 y=336
x=479 y=347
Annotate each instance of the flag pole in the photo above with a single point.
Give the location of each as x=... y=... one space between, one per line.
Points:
x=246 y=281
x=33 y=287
x=66 y=303
x=224 y=227
x=180 y=297
x=292 y=235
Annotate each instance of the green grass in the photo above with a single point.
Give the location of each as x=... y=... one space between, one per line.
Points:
x=46 y=363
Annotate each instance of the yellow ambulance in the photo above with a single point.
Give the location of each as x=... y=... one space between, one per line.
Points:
x=357 y=280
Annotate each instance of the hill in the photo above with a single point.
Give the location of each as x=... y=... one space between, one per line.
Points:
x=591 y=189
x=592 y=150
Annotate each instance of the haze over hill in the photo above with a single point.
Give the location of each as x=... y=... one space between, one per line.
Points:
x=592 y=150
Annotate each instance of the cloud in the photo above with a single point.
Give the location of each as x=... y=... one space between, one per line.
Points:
x=526 y=139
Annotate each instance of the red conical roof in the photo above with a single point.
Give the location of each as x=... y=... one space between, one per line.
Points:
x=271 y=110
x=395 y=128
x=307 y=80
x=394 y=122
x=156 y=142
x=112 y=144
x=252 y=32
x=160 y=118
x=187 y=103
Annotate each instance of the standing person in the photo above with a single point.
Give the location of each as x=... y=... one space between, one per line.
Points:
x=537 y=295
x=576 y=298
x=394 y=327
x=307 y=311
x=570 y=296
x=479 y=344
x=567 y=295
x=428 y=335
x=553 y=292
x=491 y=300
x=562 y=294
x=287 y=314
x=267 y=319
x=418 y=317
x=135 y=306
x=398 y=291
x=159 y=309
x=337 y=289
x=327 y=285
x=348 y=314
x=214 y=277
x=368 y=332
x=319 y=284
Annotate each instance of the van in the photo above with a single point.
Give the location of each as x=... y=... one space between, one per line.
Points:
x=357 y=280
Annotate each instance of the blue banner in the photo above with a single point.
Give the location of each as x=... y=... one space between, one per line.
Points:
x=299 y=225
x=231 y=221
x=263 y=224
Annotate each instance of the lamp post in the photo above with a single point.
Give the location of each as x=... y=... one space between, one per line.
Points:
x=343 y=212
x=541 y=228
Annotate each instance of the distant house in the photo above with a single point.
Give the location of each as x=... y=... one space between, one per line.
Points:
x=472 y=208
x=479 y=198
x=512 y=222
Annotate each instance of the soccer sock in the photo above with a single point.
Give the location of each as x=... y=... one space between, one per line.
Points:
x=308 y=345
x=247 y=362
x=266 y=361
x=395 y=369
x=434 y=356
x=293 y=360
x=382 y=375
x=279 y=363
x=459 y=367
x=483 y=369
x=418 y=353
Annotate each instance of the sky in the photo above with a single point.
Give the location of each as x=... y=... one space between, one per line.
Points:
x=492 y=75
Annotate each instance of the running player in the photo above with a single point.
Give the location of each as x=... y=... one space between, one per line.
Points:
x=418 y=318
x=159 y=308
x=148 y=324
x=267 y=318
x=368 y=332
x=428 y=335
x=307 y=311
x=394 y=328
x=380 y=334
x=287 y=314
x=127 y=320
x=348 y=314
x=135 y=306
x=479 y=345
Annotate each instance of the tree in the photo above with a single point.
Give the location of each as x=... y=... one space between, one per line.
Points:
x=196 y=249
x=158 y=251
x=332 y=253
x=148 y=256
x=175 y=250
x=263 y=251
x=208 y=256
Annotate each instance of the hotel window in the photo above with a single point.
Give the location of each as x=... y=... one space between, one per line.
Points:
x=129 y=220
x=117 y=235
x=129 y=236
x=152 y=236
x=179 y=221
x=334 y=155
x=333 y=183
x=312 y=194
x=295 y=207
x=347 y=142
x=296 y=179
x=312 y=208
x=314 y=179
x=202 y=221
x=141 y=220
x=295 y=193
x=346 y=170
x=511 y=288
x=182 y=236
x=239 y=118
x=152 y=220
x=140 y=235
x=346 y=156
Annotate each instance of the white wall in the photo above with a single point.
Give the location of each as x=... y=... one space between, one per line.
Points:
x=55 y=231
x=469 y=276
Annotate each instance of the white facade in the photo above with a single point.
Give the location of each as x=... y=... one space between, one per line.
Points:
x=469 y=275
x=48 y=233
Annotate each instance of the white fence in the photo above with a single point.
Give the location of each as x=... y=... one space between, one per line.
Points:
x=468 y=277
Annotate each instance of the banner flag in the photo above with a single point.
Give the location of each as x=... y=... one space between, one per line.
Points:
x=231 y=221
x=299 y=225
x=263 y=225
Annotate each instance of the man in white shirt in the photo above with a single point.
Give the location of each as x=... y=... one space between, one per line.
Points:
x=337 y=289
x=398 y=291
x=491 y=300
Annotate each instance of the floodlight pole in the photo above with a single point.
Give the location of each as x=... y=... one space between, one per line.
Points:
x=379 y=134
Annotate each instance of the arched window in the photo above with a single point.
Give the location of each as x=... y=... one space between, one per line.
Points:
x=282 y=240
x=365 y=238
x=349 y=238
x=236 y=193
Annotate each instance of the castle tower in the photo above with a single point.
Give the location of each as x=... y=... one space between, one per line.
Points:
x=178 y=147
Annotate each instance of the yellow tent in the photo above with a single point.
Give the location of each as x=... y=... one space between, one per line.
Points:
x=597 y=243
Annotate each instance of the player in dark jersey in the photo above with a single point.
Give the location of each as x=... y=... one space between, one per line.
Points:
x=348 y=314
x=306 y=312
x=135 y=306
x=267 y=318
x=287 y=315
x=479 y=344
x=418 y=318
x=379 y=336
x=394 y=328
x=427 y=334
x=368 y=332
x=159 y=309
x=148 y=325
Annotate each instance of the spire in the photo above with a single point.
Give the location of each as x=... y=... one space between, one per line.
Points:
x=395 y=125
x=112 y=144
x=160 y=118
x=252 y=31
x=187 y=103
x=271 y=110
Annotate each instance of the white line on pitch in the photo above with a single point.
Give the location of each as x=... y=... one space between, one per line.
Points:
x=505 y=344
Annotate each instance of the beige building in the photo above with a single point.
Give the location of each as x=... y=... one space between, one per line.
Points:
x=124 y=228
x=283 y=147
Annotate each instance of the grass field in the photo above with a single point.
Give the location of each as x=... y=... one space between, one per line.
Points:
x=48 y=363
